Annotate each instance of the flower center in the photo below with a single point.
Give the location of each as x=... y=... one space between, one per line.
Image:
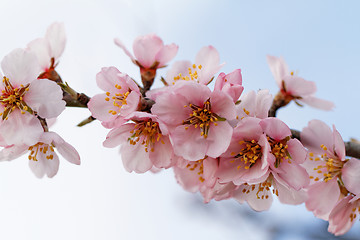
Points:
x=249 y=153
x=41 y=148
x=118 y=99
x=147 y=133
x=12 y=98
x=193 y=74
x=197 y=166
x=279 y=150
x=331 y=168
x=202 y=117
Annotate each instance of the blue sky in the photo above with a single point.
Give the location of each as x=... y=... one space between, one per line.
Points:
x=99 y=200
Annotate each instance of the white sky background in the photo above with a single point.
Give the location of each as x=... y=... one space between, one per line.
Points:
x=99 y=199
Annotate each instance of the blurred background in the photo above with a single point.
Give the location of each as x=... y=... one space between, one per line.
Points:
x=99 y=199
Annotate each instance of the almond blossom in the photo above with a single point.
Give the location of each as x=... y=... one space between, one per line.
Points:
x=230 y=83
x=206 y=65
x=49 y=49
x=344 y=214
x=293 y=87
x=144 y=143
x=23 y=98
x=246 y=159
x=121 y=97
x=254 y=104
x=43 y=159
x=332 y=175
x=149 y=51
x=196 y=118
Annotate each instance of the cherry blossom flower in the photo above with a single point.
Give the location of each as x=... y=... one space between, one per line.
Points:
x=344 y=214
x=121 y=97
x=150 y=51
x=196 y=118
x=288 y=154
x=293 y=87
x=254 y=104
x=230 y=83
x=49 y=49
x=23 y=97
x=207 y=64
x=246 y=159
x=332 y=175
x=144 y=143
x=43 y=159
x=197 y=175
x=259 y=196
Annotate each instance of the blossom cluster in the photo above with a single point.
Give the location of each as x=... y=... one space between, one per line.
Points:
x=31 y=101
x=219 y=141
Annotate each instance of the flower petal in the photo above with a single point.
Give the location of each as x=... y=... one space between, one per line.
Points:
x=351 y=175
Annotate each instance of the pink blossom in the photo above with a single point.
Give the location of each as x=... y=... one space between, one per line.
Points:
x=23 y=96
x=246 y=159
x=49 y=48
x=230 y=83
x=197 y=175
x=254 y=104
x=121 y=97
x=295 y=88
x=150 y=51
x=197 y=120
x=144 y=143
x=332 y=175
x=43 y=159
x=344 y=214
x=259 y=196
x=288 y=154
x=207 y=64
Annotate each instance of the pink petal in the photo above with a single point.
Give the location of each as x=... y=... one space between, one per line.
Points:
x=107 y=78
x=339 y=219
x=294 y=175
x=275 y=128
x=318 y=103
x=317 y=133
x=323 y=196
x=169 y=107
x=145 y=49
x=209 y=58
x=299 y=87
x=21 y=129
x=41 y=48
x=118 y=136
x=122 y=46
x=12 y=152
x=45 y=97
x=189 y=144
x=351 y=175
x=161 y=157
x=258 y=204
x=290 y=196
x=296 y=151
x=65 y=149
x=44 y=166
x=100 y=108
x=263 y=103
x=218 y=139
x=196 y=93
x=222 y=105
x=339 y=145
x=135 y=158
x=278 y=68
x=178 y=67
x=56 y=36
x=166 y=54
x=21 y=67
